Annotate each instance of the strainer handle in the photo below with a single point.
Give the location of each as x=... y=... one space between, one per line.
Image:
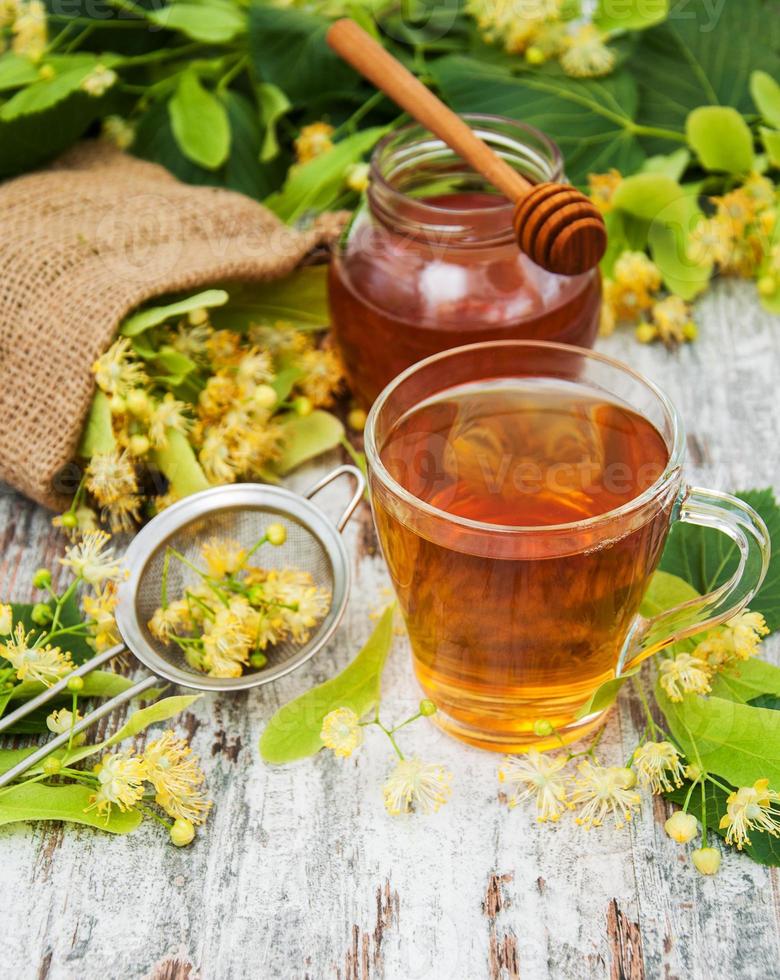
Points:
x=105 y=709
x=51 y=692
x=360 y=488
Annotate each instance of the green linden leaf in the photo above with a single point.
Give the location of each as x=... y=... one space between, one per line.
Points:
x=763 y=848
x=771 y=140
x=16 y=70
x=739 y=742
x=305 y=437
x=629 y=15
x=765 y=92
x=70 y=72
x=316 y=185
x=153 y=316
x=747 y=681
x=98 y=436
x=179 y=465
x=273 y=105
x=706 y=558
x=721 y=139
x=300 y=299
x=703 y=56
x=294 y=731
x=672 y=165
x=213 y=23
x=200 y=123
x=591 y=120
x=70 y=803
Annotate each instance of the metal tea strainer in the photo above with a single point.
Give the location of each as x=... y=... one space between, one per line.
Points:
x=239 y=512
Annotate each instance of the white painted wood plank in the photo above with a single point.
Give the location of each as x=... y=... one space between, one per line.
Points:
x=300 y=873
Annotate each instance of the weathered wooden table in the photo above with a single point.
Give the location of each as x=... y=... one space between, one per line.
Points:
x=300 y=873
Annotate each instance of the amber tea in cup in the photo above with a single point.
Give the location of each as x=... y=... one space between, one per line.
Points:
x=523 y=493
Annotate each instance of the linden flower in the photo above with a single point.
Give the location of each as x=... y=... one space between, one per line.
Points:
x=168 y=621
x=192 y=340
x=744 y=632
x=85 y=520
x=178 y=781
x=751 y=808
x=659 y=766
x=6 y=619
x=671 y=318
x=684 y=674
x=99 y=81
x=341 y=732
x=712 y=240
x=417 y=786
x=602 y=187
x=356 y=177
x=737 y=209
x=222 y=557
x=29 y=31
x=602 y=790
x=42 y=664
x=225 y=645
x=118 y=131
x=322 y=375
x=61 y=721
x=92 y=561
x=120 y=782
x=537 y=776
x=587 y=56
x=100 y=609
x=124 y=512
x=117 y=372
x=255 y=366
x=313 y=141
x=216 y=460
x=167 y=415
x=111 y=477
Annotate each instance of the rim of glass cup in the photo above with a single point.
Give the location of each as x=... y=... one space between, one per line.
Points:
x=671 y=469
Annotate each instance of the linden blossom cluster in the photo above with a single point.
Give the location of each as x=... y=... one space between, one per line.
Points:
x=597 y=792
x=224 y=408
x=236 y=611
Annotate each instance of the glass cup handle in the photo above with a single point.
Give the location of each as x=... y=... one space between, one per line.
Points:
x=736 y=519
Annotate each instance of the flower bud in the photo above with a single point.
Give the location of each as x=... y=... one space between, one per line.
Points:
x=645 y=333
x=534 y=55
x=69 y=520
x=138 y=403
x=6 y=619
x=138 y=445
x=265 y=396
x=542 y=727
x=257 y=660
x=767 y=285
x=41 y=614
x=42 y=579
x=693 y=772
x=357 y=419
x=198 y=317
x=682 y=827
x=182 y=832
x=625 y=778
x=51 y=765
x=118 y=405
x=357 y=177
x=302 y=406
x=427 y=708
x=706 y=860
x=276 y=534
x=75 y=685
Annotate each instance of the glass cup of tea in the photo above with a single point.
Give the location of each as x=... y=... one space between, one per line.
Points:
x=523 y=492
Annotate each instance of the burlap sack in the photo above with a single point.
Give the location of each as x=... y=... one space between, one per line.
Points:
x=83 y=243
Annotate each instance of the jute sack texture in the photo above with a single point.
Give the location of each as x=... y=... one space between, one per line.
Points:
x=82 y=244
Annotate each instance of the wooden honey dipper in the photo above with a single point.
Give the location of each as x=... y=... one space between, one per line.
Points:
x=556 y=225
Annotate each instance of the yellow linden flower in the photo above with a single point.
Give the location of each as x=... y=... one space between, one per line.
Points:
x=323 y=373
x=178 y=781
x=302 y=604
x=515 y=23
x=168 y=414
x=118 y=131
x=737 y=209
x=671 y=318
x=744 y=632
x=226 y=645
x=630 y=292
x=761 y=191
x=341 y=732
x=170 y=620
x=587 y=56
x=601 y=790
x=682 y=827
x=92 y=561
x=222 y=557
x=6 y=619
x=255 y=366
x=313 y=141
x=659 y=766
x=62 y=720
x=117 y=371
x=357 y=177
x=602 y=187
x=636 y=269
x=44 y=664
x=192 y=339
x=706 y=860
x=29 y=30
x=100 y=607
x=82 y=519
x=120 y=782
x=751 y=808
x=537 y=776
x=684 y=674
x=712 y=240
x=111 y=477
x=416 y=786
x=99 y=81
x=607 y=319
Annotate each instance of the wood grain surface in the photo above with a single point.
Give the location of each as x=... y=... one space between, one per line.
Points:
x=301 y=874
